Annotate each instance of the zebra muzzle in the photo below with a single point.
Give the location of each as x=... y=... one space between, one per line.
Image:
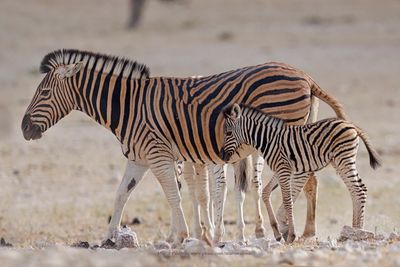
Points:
x=30 y=130
x=225 y=156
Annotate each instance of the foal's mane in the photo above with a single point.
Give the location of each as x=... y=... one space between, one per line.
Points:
x=101 y=62
x=251 y=112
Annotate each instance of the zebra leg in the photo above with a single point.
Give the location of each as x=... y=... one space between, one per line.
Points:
x=266 y=196
x=211 y=186
x=358 y=191
x=311 y=191
x=256 y=187
x=240 y=196
x=203 y=197
x=242 y=170
x=188 y=174
x=297 y=184
x=285 y=184
x=220 y=197
x=311 y=187
x=164 y=171
x=133 y=175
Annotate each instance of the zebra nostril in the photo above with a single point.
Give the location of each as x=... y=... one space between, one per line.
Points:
x=26 y=123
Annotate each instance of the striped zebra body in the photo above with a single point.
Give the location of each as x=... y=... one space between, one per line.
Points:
x=293 y=152
x=164 y=119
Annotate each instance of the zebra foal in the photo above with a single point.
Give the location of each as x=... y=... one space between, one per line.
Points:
x=292 y=152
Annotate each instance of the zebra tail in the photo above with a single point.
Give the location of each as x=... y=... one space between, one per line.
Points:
x=330 y=100
x=374 y=160
x=243 y=171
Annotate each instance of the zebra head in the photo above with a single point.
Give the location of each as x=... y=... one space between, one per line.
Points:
x=233 y=133
x=52 y=100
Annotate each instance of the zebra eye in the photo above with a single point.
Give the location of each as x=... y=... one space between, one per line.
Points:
x=45 y=92
x=229 y=132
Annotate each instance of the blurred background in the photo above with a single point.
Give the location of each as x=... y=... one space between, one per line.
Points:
x=61 y=188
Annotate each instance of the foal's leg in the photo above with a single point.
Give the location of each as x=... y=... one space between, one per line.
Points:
x=297 y=184
x=348 y=172
x=266 y=196
x=285 y=184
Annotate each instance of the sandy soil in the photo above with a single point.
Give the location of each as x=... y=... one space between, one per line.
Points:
x=60 y=189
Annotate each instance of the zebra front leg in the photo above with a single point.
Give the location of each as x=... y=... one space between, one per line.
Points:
x=203 y=197
x=242 y=172
x=133 y=175
x=266 y=196
x=285 y=184
x=211 y=186
x=219 y=201
x=188 y=174
x=163 y=170
x=297 y=184
x=256 y=187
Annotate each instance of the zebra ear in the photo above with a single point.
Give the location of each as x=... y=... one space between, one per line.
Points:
x=233 y=112
x=67 y=71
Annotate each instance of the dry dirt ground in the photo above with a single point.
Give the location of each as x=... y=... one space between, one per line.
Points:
x=60 y=189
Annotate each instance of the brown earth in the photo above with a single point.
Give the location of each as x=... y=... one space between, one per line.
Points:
x=60 y=189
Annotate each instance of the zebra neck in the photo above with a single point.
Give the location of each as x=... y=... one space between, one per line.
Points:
x=109 y=100
x=264 y=135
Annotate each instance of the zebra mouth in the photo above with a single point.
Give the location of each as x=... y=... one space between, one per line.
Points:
x=29 y=130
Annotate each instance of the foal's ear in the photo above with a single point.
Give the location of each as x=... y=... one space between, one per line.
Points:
x=233 y=112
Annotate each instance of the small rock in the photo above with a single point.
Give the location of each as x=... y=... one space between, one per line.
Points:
x=230 y=247
x=394 y=236
x=379 y=237
x=136 y=220
x=108 y=244
x=126 y=238
x=261 y=243
x=81 y=244
x=193 y=245
x=3 y=243
x=161 y=245
x=354 y=234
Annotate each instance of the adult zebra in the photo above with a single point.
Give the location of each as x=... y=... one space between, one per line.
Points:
x=161 y=120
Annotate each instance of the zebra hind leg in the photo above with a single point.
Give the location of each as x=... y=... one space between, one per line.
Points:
x=219 y=201
x=164 y=171
x=358 y=191
x=311 y=192
x=203 y=198
x=242 y=171
x=188 y=174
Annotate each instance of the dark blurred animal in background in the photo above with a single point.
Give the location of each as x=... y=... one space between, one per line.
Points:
x=136 y=11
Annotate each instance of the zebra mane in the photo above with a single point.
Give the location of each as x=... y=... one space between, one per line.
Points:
x=114 y=64
x=259 y=115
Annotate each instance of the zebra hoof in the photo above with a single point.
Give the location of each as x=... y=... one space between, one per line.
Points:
x=260 y=233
